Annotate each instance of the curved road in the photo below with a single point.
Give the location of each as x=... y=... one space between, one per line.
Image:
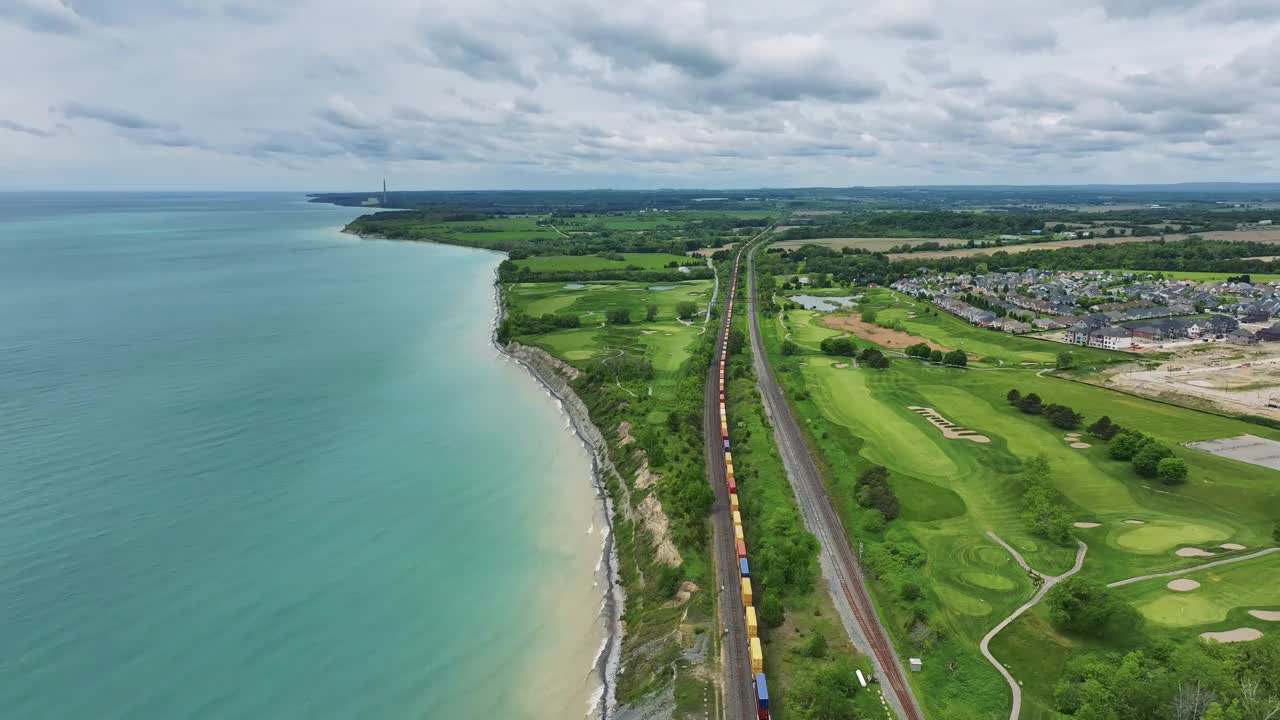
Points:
x=843 y=574
x=1049 y=582
x=739 y=691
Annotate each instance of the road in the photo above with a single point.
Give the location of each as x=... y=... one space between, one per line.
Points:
x=739 y=692
x=1184 y=571
x=842 y=571
x=1049 y=581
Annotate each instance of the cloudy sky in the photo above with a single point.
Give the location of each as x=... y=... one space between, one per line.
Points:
x=335 y=94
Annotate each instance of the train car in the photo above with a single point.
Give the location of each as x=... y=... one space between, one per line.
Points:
x=733 y=484
x=737 y=516
x=728 y=468
x=757 y=656
x=762 y=697
x=733 y=502
x=746 y=591
x=737 y=534
x=753 y=625
x=726 y=444
x=728 y=458
x=742 y=548
x=743 y=569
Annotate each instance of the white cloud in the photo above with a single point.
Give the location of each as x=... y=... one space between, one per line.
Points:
x=309 y=94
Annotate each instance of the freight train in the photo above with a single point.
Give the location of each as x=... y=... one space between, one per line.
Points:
x=744 y=568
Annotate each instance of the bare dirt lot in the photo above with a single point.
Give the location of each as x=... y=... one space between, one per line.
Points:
x=1230 y=378
x=881 y=336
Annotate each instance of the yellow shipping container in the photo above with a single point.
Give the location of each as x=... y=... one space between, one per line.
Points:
x=746 y=591
x=728 y=468
x=753 y=628
x=728 y=458
x=737 y=518
x=733 y=502
x=757 y=656
x=737 y=534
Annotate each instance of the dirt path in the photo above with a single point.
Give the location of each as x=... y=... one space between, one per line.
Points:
x=1049 y=582
x=1183 y=571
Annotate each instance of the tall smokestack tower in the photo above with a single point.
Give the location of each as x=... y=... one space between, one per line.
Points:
x=384 y=192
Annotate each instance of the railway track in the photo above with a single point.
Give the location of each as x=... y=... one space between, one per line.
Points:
x=844 y=575
x=739 y=702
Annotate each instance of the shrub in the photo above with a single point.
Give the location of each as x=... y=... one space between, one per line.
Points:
x=1171 y=470
x=1013 y=396
x=1126 y=444
x=619 y=316
x=919 y=350
x=789 y=348
x=838 y=346
x=1103 y=428
x=1031 y=404
x=874 y=358
x=935 y=356
x=874 y=491
x=1147 y=461
x=956 y=358
x=771 y=612
x=686 y=310
x=1063 y=416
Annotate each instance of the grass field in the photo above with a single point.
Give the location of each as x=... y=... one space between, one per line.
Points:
x=1207 y=276
x=925 y=321
x=1222 y=601
x=952 y=492
x=563 y=263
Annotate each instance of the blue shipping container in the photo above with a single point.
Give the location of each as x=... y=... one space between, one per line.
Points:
x=742 y=567
x=762 y=692
x=726 y=446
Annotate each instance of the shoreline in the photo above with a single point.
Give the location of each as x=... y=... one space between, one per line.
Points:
x=541 y=367
x=544 y=370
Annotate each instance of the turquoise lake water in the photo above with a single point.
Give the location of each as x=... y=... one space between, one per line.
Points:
x=251 y=467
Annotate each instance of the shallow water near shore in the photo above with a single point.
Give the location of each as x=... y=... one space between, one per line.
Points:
x=251 y=467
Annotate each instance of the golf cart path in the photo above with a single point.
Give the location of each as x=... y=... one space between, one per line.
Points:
x=1049 y=582
x=1194 y=568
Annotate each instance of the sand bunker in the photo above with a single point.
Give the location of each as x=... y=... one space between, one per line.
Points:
x=1269 y=615
x=950 y=430
x=1135 y=522
x=1232 y=546
x=1193 y=552
x=1182 y=585
x=1085 y=524
x=1080 y=445
x=840 y=366
x=1071 y=436
x=1237 y=635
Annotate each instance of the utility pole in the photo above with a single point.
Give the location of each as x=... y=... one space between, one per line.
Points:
x=384 y=192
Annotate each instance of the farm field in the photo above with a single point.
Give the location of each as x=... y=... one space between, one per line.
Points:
x=951 y=492
x=872 y=244
x=644 y=261
x=1207 y=276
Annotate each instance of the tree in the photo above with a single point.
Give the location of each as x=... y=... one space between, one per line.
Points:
x=1066 y=360
x=1126 y=444
x=1170 y=470
x=771 y=612
x=789 y=348
x=956 y=358
x=1147 y=461
x=824 y=691
x=1063 y=416
x=919 y=350
x=873 y=358
x=1031 y=404
x=1013 y=396
x=737 y=341
x=874 y=491
x=869 y=315
x=686 y=310
x=651 y=312
x=1103 y=428
x=1086 y=607
x=619 y=316
x=935 y=356
x=838 y=346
